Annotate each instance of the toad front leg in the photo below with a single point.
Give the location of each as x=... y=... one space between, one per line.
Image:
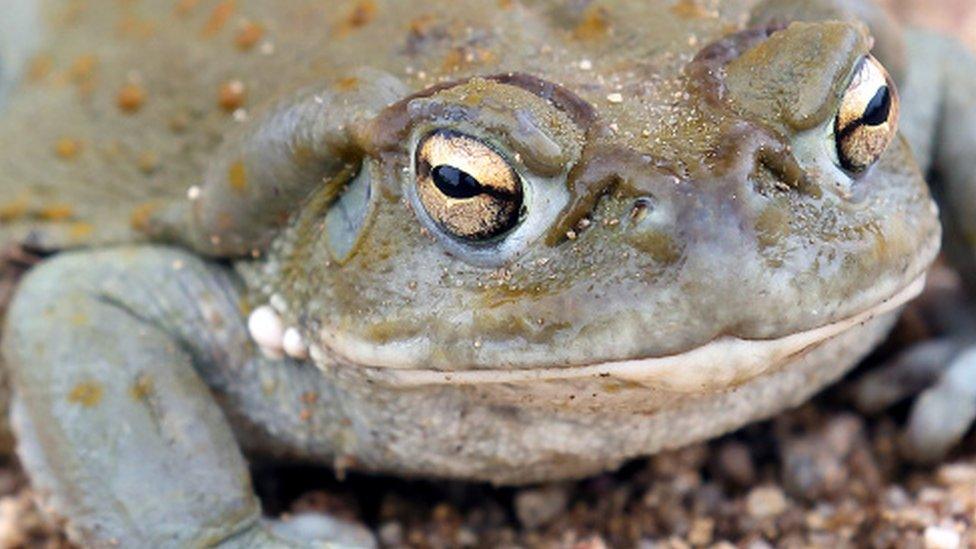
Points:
x=108 y=353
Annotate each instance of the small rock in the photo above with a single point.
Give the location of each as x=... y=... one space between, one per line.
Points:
x=674 y=542
x=815 y=466
x=957 y=473
x=537 y=507
x=466 y=538
x=390 y=534
x=594 y=542
x=702 y=531
x=940 y=537
x=11 y=533
x=735 y=464
x=22 y=523
x=765 y=501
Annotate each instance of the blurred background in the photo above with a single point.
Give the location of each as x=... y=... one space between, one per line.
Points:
x=953 y=16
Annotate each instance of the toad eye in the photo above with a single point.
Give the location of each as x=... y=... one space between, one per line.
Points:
x=466 y=187
x=868 y=117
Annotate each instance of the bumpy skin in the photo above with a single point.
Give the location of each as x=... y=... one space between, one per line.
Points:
x=698 y=152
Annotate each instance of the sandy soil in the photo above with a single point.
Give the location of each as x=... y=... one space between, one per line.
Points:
x=820 y=476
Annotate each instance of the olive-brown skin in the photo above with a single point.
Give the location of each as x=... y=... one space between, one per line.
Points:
x=129 y=164
x=679 y=159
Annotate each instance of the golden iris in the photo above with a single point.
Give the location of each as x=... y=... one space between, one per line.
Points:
x=466 y=187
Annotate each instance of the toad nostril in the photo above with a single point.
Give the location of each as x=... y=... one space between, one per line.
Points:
x=641 y=208
x=651 y=230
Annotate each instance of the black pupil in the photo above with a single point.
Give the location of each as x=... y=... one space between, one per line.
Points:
x=878 y=109
x=456 y=183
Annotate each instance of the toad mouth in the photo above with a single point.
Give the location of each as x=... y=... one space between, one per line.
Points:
x=720 y=364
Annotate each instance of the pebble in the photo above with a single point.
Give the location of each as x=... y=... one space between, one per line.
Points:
x=702 y=531
x=957 y=473
x=815 y=465
x=539 y=506
x=593 y=542
x=391 y=534
x=766 y=501
x=11 y=534
x=735 y=463
x=940 y=537
x=22 y=524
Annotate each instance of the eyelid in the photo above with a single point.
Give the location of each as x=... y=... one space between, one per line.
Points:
x=515 y=131
x=794 y=77
x=541 y=125
x=571 y=113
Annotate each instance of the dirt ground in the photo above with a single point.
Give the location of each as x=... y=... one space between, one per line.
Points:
x=819 y=476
